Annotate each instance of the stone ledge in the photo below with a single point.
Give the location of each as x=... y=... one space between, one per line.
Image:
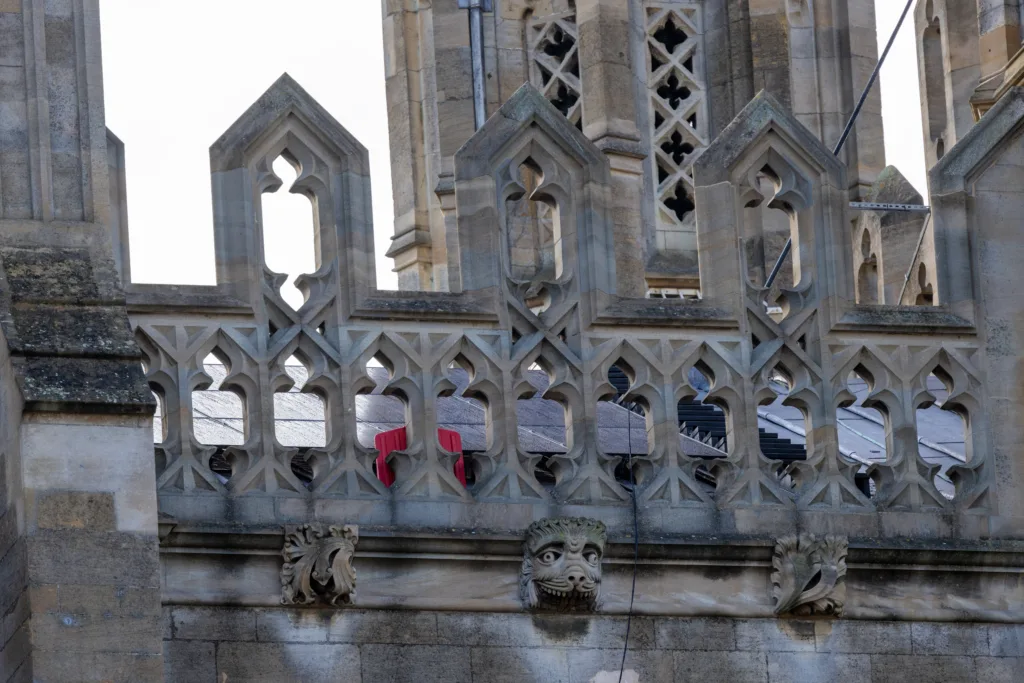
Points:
x=63 y=318
x=691 y=577
x=884 y=532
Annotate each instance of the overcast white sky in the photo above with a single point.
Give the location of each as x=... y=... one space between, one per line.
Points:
x=179 y=72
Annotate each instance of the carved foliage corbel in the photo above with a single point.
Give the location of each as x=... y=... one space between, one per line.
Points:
x=318 y=564
x=809 y=575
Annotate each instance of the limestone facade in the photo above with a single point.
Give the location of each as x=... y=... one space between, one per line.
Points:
x=125 y=557
x=969 y=56
x=650 y=82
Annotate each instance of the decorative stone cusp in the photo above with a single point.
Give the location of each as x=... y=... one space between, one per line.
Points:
x=318 y=564
x=809 y=575
x=562 y=564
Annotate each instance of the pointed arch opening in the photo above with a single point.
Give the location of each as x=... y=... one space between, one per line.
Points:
x=701 y=418
x=863 y=429
x=535 y=256
x=300 y=420
x=925 y=292
x=544 y=425
x=624 y=425
x=464 y=411
x=934 y=81
x=867 y=275
x=783 y=421
x=219 y=417
x=289 y=229
x=159 y=426
x=768 y=225
x=380 y=417
x=943 y=430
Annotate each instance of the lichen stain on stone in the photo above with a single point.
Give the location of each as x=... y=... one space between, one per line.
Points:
x=797 y=629
x=562 y=627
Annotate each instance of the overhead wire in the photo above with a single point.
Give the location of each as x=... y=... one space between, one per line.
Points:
x=846 y=132
x=631 y=409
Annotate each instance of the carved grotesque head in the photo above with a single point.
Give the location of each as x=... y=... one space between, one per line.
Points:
x=318 y=564
x=562 y=564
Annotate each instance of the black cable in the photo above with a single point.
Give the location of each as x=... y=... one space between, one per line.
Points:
x=846 y=132
x=636 y=531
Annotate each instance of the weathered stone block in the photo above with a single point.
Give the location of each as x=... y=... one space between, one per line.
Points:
x=104 y=667
x=734 y=667
x=92 y=455
x=386 y=627
x=949 y=639
x=811 y=667
x=1006 y=640
x=8 y=529
x=544 y=630
x=73 y=331
x=91 y=619
x=14 y=617
x=112 y=600
x=13 y=573
x=934 y=669
x=774 y=635
x=512 y=665
x=23 y=674
x=76 y=510
x=54 y=275
x=696 y=634
x=15 y=651
x=275 y=662
x=90 y=557
x=863 y=637
x=415 y=664
x=189 y=662
x=654 y=666
x=214 y=623
x=294 y=625
x=999 y=669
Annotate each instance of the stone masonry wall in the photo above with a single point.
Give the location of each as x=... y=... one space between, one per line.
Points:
x=15 y=664
x=359 y=646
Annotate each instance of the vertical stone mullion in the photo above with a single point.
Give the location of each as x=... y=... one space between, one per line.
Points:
x=38 y=112
x=610 y=120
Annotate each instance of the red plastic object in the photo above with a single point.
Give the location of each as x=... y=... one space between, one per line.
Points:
x=385 y=442
x=451 y=441
x=395 y=440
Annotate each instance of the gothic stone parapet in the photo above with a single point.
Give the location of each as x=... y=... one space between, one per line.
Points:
x=540 y=315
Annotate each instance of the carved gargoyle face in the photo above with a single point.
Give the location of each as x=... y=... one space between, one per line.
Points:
x=562 y=564
x=318 y=565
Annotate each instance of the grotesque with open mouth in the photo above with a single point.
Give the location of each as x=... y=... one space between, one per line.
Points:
x=562 y=564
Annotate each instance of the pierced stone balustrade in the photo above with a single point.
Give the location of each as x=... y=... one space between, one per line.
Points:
x=539 y=295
